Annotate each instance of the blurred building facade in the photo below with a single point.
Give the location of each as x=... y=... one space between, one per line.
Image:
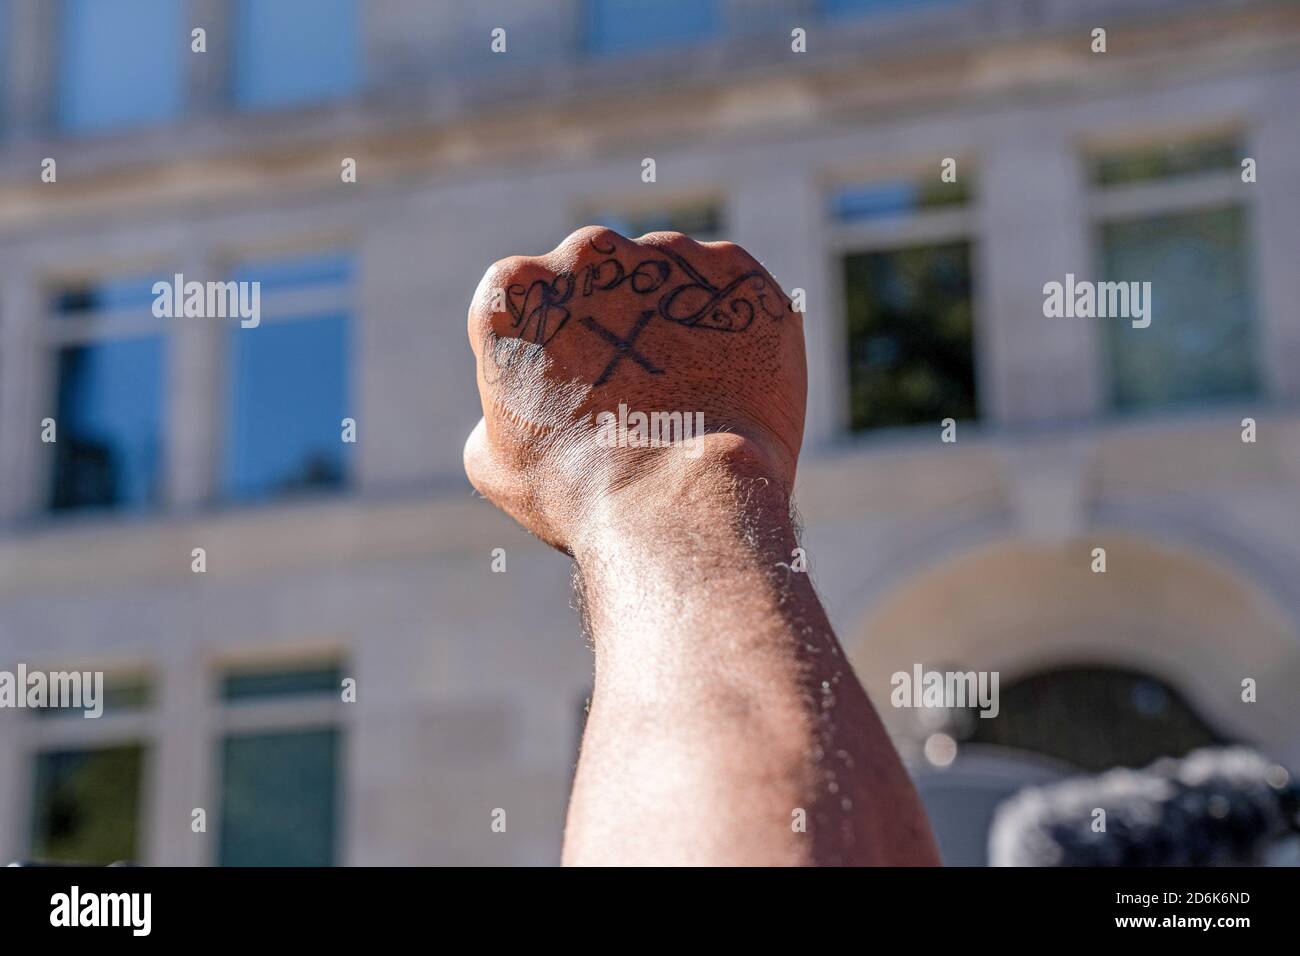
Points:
x=371 y=560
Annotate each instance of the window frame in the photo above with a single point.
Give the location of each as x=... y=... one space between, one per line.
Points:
x=281 y=308
x=936 y=225
x=285 y=715
x=1171 y=195
x=190 y=459
x=588 y=21
x=53 y=334
x=235 y=66
x=60 y=15
x=141 y=727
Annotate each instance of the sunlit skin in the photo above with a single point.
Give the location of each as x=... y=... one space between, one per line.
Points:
x=726 y=725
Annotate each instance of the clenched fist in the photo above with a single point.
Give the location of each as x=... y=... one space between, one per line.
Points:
x=597 y=361
x=718 y=681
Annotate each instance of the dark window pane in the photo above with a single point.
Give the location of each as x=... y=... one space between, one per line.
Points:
x=120 y=696
x=86 y=805
x=622 y=26
x=263 y=684
x=110 y=425
x=295 y=51
x=1166 y=160
x=911 y=356
x=279 y=796
x=121 y=63
x=1200 y=344
x=110 y=295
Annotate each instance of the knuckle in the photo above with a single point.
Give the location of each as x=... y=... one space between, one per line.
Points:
x=725 y=247
x=505 y=271
x=731 y=252
x=501 y=284
x=669 y=239
x=587 y=238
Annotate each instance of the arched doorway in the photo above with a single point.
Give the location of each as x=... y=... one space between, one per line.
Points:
x=1187 y=628
x=1095 y=669
x=1094 y=718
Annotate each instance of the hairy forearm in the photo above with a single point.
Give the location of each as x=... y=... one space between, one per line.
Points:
x=726 y=726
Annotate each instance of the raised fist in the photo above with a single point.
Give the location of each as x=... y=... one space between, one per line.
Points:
x=599 y=362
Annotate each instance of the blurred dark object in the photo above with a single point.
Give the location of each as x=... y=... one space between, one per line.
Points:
x=39 y=864
x=1214 y=807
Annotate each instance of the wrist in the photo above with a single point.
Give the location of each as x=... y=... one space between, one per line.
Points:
x=695 y=543
x=725 y=488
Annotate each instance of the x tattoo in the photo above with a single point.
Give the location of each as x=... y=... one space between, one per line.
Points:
x=623 y=346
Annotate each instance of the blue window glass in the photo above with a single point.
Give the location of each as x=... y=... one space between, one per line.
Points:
x=623 y=26
x=875 y=202
x=110 y=425
x=854 y=7
x=286 y=275
x=121 y=63
x=289 y=389
x=885 y=200
x=279 y=800
x=295 y=51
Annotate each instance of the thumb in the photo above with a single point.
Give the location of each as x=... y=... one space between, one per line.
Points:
x=478 y=459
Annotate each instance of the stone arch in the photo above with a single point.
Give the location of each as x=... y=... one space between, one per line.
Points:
x=1019 y=607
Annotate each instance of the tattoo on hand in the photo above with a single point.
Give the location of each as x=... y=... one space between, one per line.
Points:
x=623 y=346
x=540 y=310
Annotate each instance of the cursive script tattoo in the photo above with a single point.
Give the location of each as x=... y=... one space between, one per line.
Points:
x=542 y=309
x=726 y=309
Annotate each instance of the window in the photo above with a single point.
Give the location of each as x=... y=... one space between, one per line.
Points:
x=910 y=334
x=87 y=805
x=626 y=26
x=1200 y=343
x=87 y=776
x=1192 y=246
x=278 y=799
x=290 y=52
x=289 y=382
x=121 y=63
x=855 y=7
x=258 y=684
x=905 y=197
x=120 y=696
x=1164 y=161
x=908 y=301
x=701 y=222
x=108 y=399
x=279 y=780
